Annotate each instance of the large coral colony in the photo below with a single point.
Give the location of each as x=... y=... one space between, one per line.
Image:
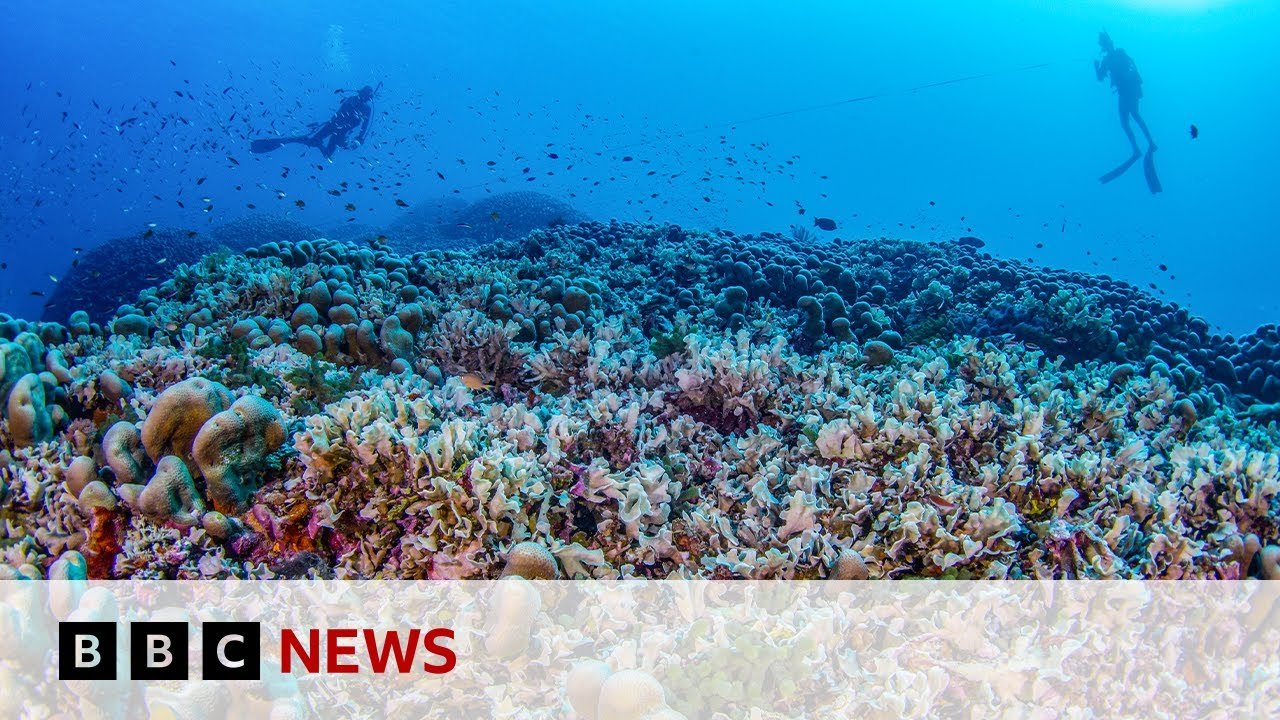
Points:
x=615 y=400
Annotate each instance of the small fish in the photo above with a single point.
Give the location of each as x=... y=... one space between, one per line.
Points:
x=824 y=224
x=162 y=261
x=299 y=203
x=53 y=278
x=474 y=382
x=494 y=216
x=351 y=207
x=401 y=203
x=1195 y=132
x=37 y=293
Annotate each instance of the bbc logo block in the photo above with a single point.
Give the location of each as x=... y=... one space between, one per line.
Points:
x=86 y=651
x=231 y=650
x=159 y=651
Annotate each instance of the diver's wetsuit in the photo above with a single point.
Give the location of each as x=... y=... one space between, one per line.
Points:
x=1128 y=86
x=355 y=112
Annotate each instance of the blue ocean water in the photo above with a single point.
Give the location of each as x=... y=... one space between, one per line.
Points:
x=978 y=119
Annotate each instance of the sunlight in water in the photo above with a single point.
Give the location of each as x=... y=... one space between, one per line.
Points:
x=1179 y=5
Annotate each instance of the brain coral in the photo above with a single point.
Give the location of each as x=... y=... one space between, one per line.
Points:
x=178 y=415
x=233 y=443
x=27 y=413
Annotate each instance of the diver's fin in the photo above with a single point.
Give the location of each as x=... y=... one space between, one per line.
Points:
x=266 y=145
x=1119 y=169
x=1149 y=169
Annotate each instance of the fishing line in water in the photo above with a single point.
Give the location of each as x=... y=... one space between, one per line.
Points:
x=488 y=184
x=848 y=101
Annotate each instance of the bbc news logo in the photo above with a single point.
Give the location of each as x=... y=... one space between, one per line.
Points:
x=158 y=650
x=232 y=651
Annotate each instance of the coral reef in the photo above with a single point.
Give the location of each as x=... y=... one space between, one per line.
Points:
x=611 y=400
x=113 y=273
x=452 y=224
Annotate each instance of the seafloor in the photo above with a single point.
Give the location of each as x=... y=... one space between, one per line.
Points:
x=617 y=400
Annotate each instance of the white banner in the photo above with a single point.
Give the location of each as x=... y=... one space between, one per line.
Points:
x=637 y=649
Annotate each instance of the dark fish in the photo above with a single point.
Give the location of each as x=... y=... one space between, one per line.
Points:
x=1195 y=132
x=37 y=293
x=824 y=224
x=351 y=207
x=299 y=203
x=401 y=203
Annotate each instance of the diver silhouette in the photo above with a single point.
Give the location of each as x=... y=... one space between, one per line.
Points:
x=354 y=112
x=1127 y=84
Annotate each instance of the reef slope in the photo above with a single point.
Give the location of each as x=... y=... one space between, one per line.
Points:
x=637 y=400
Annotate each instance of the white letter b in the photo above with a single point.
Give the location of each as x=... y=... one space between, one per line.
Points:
x=87 y=647
x=158 y=647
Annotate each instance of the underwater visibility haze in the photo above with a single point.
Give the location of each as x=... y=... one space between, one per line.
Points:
x=575 y=289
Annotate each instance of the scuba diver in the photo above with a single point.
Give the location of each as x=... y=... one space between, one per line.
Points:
x=1127 y=84
x=354 y=112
